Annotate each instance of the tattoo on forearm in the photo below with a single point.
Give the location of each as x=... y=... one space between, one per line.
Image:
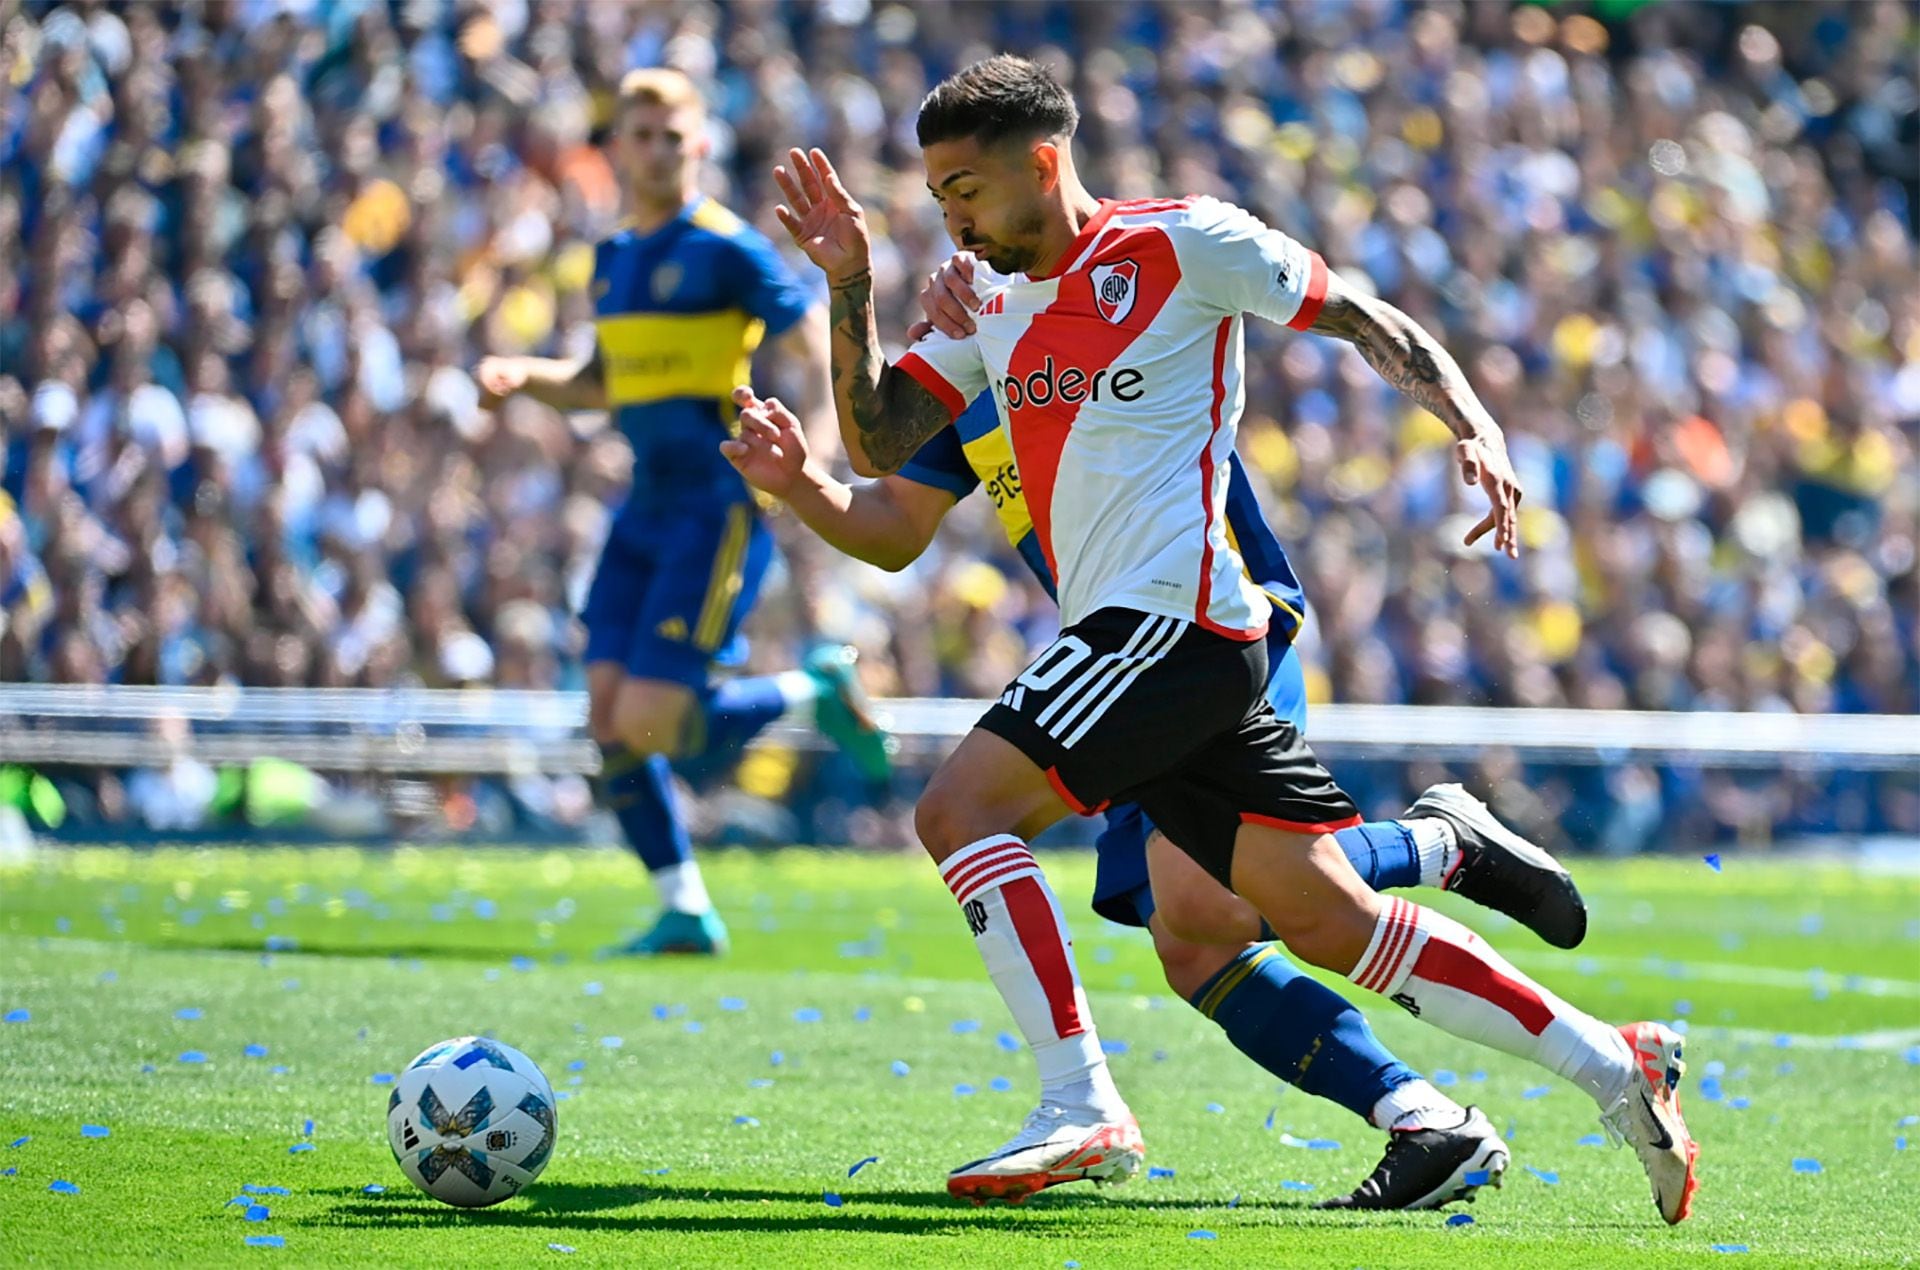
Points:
x=891 y=413
x=1408 y=358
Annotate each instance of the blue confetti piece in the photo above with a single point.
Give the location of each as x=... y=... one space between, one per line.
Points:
x=485 y=910
x=238 y=1199
x=806 y=1014
x=266 y=1241
x=1548 y=1176
x=1270 y=1115
x=1296 y=1186
x=193 y=1056
x=257 y=1212
x=148 y=1069
x=577 y=1065
x=592 y=989
x=254 y=1051
x=693 y=1025
x=862 y=1014
x=1322 y=1144
x=1008 y=1042
x=963 y=1091
x=522 y=964
x=1538 y=1091
x=900 y=1068
x=281 y=943
x=1477 y=1076
x=1000 y=1085
x=1713 y=860
x=732 y=1005
x=561 y=1248
x=1159 y=1056
x=383 y=1078
x=661 y=1012
x=760 y=1082
x=1460 y=1219
x=1201 y=1234
x=299 y=1147
x=749 y=1121
x=1803 y=1164
x=1709 y=1088
x=962 y=1027
x=109 y=976
x=19 y=1016
x=1740 y=1104
x=1904 y=1121
x=1913 y=1056
x=1900 y=1143
x=21 y=1141
x=187 y=1014
x=1114 y=1047
x=373 y=1188
x=612 y=1042
x=95 y=1131
x=1070 y=1265
x=1683 y=1008
x=306 y=1128
x=1727 y=1247
x=1479 y=1177
x=266 y=1190
x=1444 y=1078
x=872 y=1159
x=10 y=1170
x=1782 y=1041
x=777 y=1058
x=1216 y=1109
x=830 y=1199
x=1592 y=1140
x=60 y=1187
x=1155 y=1171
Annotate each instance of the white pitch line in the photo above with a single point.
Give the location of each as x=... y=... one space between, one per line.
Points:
x=1721 y=972
x=1897 y=1039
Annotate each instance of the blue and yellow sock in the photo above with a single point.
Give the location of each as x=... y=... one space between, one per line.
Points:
x=1383 y=853
x=734 y=711
x=1300 y=1030
x=638 y=790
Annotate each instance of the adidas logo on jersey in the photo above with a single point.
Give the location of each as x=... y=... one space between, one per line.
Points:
x=1071 y=386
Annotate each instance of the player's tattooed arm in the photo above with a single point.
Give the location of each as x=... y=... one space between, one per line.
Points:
x=892 y=415
x=1407 y=356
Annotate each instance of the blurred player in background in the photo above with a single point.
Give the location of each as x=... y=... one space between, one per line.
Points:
x=683 y=293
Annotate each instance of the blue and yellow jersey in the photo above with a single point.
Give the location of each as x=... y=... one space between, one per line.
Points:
x=679 y=312
x=974 y=450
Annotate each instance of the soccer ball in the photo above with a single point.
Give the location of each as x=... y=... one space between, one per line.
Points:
x=471 y=1121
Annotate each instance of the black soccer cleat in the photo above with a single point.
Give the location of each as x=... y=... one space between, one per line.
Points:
x=1428 y=1168
x=1503 y=871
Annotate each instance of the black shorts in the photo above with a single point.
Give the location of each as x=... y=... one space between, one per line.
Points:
x=1125 y=706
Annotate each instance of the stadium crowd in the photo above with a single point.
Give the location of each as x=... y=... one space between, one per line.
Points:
x=249 y=252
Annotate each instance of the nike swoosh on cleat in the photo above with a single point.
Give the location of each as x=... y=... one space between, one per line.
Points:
x=1665 y=1142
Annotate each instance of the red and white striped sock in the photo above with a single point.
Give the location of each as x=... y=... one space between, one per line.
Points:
x=1448 y=976
x=1022 y=936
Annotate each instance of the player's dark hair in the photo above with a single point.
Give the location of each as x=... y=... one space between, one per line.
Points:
x=1002 y=97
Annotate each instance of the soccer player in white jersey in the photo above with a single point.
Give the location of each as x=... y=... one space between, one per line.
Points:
x=1110 y=334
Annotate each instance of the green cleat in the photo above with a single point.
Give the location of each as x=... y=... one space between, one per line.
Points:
x=841 y=712
x=695 y=934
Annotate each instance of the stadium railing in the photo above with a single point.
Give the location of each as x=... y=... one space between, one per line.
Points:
x=508 y=732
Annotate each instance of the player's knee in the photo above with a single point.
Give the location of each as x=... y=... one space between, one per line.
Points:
x=1209 y=915
x=649 y=723
x=1188 y=965
x=944 y=820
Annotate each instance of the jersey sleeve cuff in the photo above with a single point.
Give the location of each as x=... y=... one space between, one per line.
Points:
x=1315 y=298
x=952 y=482
x=934 y=382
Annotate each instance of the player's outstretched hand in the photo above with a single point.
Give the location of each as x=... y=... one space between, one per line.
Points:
x=499 y=378
x=771 y=450
x=1484 y=462
x=949 y=300
x=821 y=216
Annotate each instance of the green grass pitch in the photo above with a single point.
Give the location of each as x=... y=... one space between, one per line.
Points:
x=710 y=1108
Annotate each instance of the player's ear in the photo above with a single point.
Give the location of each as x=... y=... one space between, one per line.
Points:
x=1046 y=164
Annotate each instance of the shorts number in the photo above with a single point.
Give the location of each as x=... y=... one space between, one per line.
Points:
x=1055 y=663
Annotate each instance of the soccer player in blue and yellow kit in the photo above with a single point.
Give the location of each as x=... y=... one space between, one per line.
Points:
x=684 y=292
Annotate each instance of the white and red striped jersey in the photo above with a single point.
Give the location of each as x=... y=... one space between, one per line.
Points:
x=1119 y=381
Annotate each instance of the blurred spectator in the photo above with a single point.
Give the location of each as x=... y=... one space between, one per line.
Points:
x=248 y=251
